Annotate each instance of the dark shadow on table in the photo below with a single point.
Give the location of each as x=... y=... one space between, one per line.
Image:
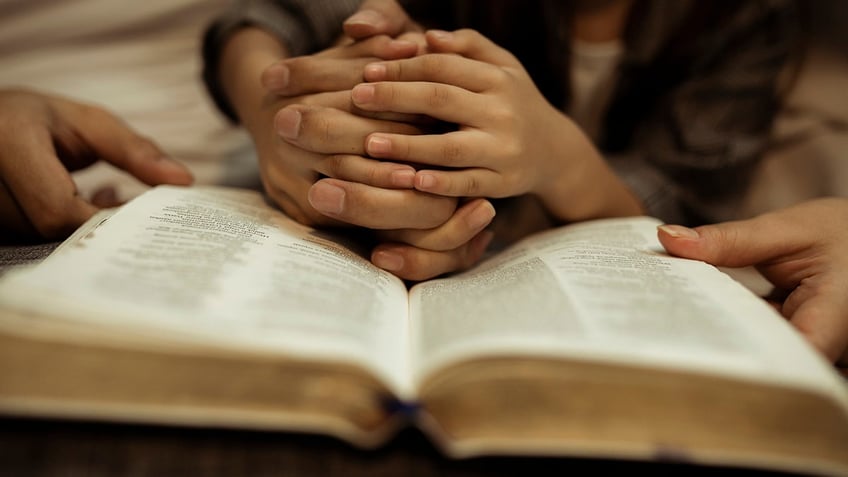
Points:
x=33 y=447
x=12 y=255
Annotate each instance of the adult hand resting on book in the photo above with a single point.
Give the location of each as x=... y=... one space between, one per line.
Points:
x=800 y=249
x=42 y=139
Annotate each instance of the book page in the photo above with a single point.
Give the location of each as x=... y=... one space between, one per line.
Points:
x=222 y=268
x=605 y=290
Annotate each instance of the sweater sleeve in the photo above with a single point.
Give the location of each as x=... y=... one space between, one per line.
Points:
x=694 y=152
x=303 y=26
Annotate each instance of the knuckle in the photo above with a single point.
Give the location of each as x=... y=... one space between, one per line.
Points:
x=376 y=45
x=95 y=114
x=401 y=149
x=384 y=94
x=304 y=74
x=382 y=98
x=500 y=114
x=298 y=66
x=438 y=97
x=325 y=129
x=419 y=266
x=268 y=177
x=143 y=148
x=318 y=127
x=305 y=100
x=275 y=181
x=363 y=209
x=452 y=151
x=302 y=214
x=334 y=166
x=723 y=241
x=501 y=76
x=472 y=186
x=374 y=175
x=468 y=35
x=446 y=240
x=88 y=110
x=432 y=65
x=513 y=149
x=513 y=182
x=396 y=70
x=443 y=210
x=52 y=221
x=17 y=125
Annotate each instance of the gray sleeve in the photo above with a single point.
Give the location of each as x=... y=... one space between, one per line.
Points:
x=304 y=26
x=693 y=157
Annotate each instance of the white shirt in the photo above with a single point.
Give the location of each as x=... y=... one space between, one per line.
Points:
x=139 y=60
x=593 y=77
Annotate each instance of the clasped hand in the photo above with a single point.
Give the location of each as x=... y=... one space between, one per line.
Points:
x=319 y=171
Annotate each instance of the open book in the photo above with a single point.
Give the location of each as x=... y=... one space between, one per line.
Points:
x=206 y=306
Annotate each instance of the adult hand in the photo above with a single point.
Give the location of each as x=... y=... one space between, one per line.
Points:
x=801 y=250
x=42 y=139
x=336 y=69
x=300 y=139
x=380 y=29
x=421 y=237
x=379 y=17
x=455 y=245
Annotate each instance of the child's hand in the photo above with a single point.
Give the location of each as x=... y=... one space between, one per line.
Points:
x=801 y=250
x=455 y=245
x=42 y=138
x=509 y=140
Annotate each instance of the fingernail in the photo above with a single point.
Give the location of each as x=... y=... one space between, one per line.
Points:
x=378 y=145
x=288 y=123
x=374 y=72
x=386 y=260
x=403 y=178
x=441 y=35
x=327 y=198
x=362 y=93
x=365 y=17
x=481 y=216
x=679 y=231
x=276 y=77
x=426 y=181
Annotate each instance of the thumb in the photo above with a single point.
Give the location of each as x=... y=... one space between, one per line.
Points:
x=730 y=244
x=115 y=142
x=378 y=17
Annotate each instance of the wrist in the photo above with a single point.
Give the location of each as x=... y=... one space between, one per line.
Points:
x=582 y=185
x=245 y=55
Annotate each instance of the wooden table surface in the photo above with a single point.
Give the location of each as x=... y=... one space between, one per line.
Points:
x=31 y=447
